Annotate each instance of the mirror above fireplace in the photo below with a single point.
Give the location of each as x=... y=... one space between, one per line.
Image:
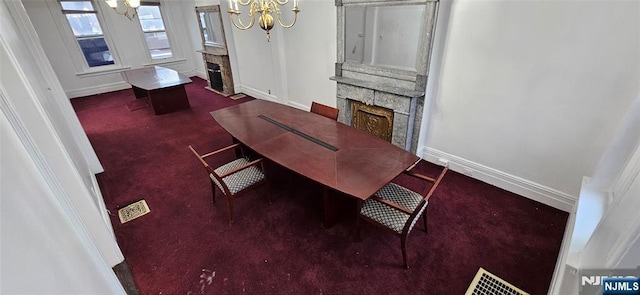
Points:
x=211 y=29
x=383 y=36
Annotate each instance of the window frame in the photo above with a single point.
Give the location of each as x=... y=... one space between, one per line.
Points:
x=76 y=55
x=167 y=30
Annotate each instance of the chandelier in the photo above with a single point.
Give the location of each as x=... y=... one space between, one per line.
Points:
x=130 y=7
x=264 y=9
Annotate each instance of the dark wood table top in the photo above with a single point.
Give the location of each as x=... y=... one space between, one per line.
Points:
x=331 y=153
x=153 y=78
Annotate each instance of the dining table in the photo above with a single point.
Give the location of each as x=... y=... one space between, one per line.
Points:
x=337 y=156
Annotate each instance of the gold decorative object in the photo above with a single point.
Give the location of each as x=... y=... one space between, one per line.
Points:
x=264 y=9
x=130 y=7
x=375 y=120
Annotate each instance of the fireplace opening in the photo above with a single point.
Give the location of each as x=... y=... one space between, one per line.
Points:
x=375 y=120
x=215 y=77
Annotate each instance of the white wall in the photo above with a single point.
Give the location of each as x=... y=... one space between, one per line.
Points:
x=615 y=241
x=535 y=89
x=309 y=52
x=35 y=96
x=46 y=198
x=619 y=228
x=41 y=251
x=127 y=41
x=295 y=66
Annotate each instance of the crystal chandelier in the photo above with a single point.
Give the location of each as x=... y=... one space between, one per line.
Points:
x=263 y=9
x=130 y=7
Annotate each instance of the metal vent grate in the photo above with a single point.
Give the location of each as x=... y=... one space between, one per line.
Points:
x=133 y=211
x=486 y=283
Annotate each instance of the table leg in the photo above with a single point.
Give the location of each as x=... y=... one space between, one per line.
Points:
x=337 y=207
x=167 y=100
x=139 y=92
x=329 y=218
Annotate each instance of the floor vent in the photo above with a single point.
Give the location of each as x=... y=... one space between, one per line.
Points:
x=238 y=96
x=486 y=283
x=133 y=211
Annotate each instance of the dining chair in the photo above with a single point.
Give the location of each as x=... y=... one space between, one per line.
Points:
x=236 y=177
x=397 y=208
x=324 y=110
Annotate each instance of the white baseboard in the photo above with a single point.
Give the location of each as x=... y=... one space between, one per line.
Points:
x=512 y=183
x=80 y=92
x=199 y=74
x=266 y=96
x=298 y=105
x=256 y=93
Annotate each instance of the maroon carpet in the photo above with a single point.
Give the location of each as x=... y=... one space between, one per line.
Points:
x=186 y=246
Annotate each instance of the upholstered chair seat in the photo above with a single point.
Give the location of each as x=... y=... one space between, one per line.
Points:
x=397 y=208
x=235 y=177
x=393 y=219
x=240 y=180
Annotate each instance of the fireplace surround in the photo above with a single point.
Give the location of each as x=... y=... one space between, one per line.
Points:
x=214 y=53
x=374 y=69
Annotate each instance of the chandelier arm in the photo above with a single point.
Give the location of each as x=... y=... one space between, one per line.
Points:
x=242 y=26
x=132 y=15
x=272 y=7
x=295 y=18
x=283 y=2
x=129 y=12
x=252 y=18
x=245 y=3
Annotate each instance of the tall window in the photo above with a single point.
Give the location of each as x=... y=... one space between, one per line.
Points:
x=83 y=19
x=154 y=30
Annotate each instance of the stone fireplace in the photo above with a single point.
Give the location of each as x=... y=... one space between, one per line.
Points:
x=219 y=75
x=388 y=113
x=384 y=48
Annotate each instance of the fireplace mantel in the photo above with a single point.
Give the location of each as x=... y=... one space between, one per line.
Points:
x=389 y=88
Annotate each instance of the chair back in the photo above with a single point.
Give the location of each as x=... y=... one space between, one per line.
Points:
x=413 y=218
x=202 y=161
x=212 y=173
x=324 y=110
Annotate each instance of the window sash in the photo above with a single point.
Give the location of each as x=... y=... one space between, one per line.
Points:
x=88 y=8
x=87 y=31
x=155 y=33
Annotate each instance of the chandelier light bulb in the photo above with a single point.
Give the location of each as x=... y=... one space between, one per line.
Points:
x=134 y=3
x=130 y=9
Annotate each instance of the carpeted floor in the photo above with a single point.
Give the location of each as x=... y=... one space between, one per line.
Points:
x=186 y=246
